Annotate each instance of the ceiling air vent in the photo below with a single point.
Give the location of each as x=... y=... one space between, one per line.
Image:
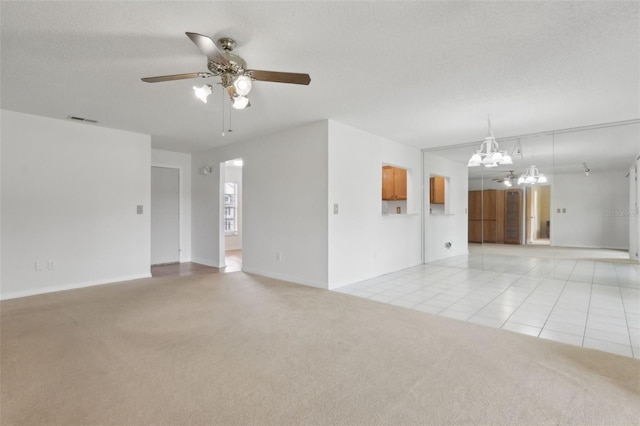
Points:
x=85 y=120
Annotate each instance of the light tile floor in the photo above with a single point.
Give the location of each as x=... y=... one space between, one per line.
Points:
x=595 y=304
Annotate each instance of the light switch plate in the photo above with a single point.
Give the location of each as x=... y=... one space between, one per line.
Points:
x=335 y=209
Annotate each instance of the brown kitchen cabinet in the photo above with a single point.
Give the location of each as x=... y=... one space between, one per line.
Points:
x=394 y=183
x=436 y=190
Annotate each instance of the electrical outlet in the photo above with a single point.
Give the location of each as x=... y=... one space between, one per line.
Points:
x=39 y=266
x=51 y=265
x=139 y=209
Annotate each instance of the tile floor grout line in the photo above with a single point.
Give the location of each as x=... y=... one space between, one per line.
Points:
x=584 y=333
x=518 y=307
x=626 y=320
x=553 y=307
x=525 y=299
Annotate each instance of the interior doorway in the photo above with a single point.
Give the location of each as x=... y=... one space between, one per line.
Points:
x=165 y=215
x=231 y=218
x=538 y=215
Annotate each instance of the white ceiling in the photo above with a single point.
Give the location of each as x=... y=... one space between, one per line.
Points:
x=421 y=73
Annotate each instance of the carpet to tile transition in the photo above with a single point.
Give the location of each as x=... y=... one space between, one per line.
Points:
x=237 y=349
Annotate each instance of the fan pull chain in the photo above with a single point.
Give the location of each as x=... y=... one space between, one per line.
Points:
x=222 y=97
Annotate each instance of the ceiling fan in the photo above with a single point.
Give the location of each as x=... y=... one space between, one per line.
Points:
x=232 y=69
x=509 y=180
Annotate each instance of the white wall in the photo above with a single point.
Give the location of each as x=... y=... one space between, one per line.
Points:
x=234 y=174
x=593 y=204
x=69 y=196
x=362 y=242
x=634 y=211
x=284 y=205
x=452 y=227
x=182 y=162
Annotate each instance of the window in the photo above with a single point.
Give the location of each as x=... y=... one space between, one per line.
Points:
x=230 y=208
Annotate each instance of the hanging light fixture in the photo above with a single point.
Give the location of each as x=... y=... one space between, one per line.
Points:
x=489 y=154
x=242 y=84
x=510 y=179
x=203 y=92
x=532 y=176
x=240 y=102
x=238 y=87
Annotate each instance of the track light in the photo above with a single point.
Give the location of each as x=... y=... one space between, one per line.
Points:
x=203 y=92
x=206 y=170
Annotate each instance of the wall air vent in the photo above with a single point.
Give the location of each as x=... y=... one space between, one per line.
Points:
x=85 y=120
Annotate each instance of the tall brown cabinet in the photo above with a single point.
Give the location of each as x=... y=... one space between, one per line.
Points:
x=495 y=216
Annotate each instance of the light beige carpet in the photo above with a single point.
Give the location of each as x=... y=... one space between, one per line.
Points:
x=237 y=349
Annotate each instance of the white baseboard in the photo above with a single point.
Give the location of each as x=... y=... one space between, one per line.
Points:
x=205 y=262
x=284 y=277
x=55 y=288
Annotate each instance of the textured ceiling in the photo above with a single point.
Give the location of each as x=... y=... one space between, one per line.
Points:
x=421 y=73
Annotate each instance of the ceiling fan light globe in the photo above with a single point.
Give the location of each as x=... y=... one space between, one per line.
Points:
x=202 y=92
x=240 y=102
x=520 y=180
x=507 y=183
x=542 y=179
x=242 y=84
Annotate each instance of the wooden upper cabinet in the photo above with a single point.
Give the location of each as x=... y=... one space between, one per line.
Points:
x=394 y=183
x=387 y=183
x=400 y=183
x=436 y=190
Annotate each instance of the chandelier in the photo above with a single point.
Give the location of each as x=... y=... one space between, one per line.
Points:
x=489 y=154
x=532 y=176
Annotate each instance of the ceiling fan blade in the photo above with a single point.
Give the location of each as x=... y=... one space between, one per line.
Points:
x=209 y=48
x=177 y=77
x=281 y=77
